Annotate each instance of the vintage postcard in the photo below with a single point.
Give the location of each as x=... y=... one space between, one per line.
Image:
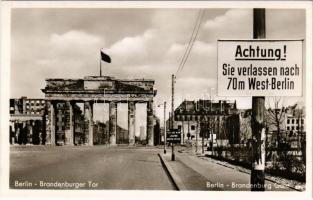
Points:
x=156 y=97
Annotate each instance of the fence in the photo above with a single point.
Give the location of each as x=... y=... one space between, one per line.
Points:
x=284 y=162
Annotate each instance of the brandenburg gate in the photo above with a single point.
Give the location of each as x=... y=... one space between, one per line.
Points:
x=103 y=89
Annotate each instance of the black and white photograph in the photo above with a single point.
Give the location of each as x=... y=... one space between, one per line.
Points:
x=178 y=98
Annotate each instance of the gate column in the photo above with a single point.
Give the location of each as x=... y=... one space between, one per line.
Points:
x=69 y=133
x=131 y=122
x=50 y=128
x=112 y=121
x=150 y=124
x=89 y=110
x=31 y=132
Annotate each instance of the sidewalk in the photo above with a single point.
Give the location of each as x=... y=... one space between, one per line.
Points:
x=192 y=173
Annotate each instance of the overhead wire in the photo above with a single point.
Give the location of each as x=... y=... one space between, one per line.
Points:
x=191 y=41
x=194 y=39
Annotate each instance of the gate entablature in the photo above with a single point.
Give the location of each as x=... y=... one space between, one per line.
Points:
x=94 y=86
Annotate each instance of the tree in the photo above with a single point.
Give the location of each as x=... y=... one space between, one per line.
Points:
x=275 y=117
x=298 y=113
x=245 y=127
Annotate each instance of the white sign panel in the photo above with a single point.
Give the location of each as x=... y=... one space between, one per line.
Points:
x=260 y=67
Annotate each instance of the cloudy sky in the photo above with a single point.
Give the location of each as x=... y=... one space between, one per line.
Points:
x=149 y=43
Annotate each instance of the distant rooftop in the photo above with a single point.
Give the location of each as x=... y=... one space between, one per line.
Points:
x=98 y=78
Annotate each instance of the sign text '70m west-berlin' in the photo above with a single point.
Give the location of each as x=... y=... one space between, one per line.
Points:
x=259 y=67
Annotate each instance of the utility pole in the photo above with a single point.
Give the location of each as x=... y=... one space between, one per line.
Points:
x=164 y=127
x=257 y=119
x=197 y=130
x=210 y=125
x=202 y=130
x=173 y=93
x=212 y=141
x=173 y=115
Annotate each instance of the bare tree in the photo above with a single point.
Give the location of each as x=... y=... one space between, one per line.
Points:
x=245 y=128
x=209 y=127
x=275 y=116
x=298 y=113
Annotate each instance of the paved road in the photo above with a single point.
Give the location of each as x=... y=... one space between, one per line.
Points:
x=106 y=168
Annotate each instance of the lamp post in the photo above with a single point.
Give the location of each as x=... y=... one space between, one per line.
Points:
x=164 y=106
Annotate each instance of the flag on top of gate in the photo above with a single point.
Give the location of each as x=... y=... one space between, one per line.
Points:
x=105 y=57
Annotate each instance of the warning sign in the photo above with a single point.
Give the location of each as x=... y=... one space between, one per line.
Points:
x=173 y=136
x=260 y=67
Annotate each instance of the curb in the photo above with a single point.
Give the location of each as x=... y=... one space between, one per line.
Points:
x=173 y=175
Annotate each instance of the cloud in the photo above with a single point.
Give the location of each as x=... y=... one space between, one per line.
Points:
x=234 y=23
x=199 y=48
x=73 y=39
x=73 y=51
x=170 y=22
x=72 y=54
x=231 y=18
x=141 y=42
x=74 y=44
x=130 y=50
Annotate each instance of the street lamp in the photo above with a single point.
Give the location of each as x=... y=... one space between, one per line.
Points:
x=164 y=105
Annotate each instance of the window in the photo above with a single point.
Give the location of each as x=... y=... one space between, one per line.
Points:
x=288 y=121
x=179 y=127
x=288 y=128
x=193 y=127
x=293 y=121
x=297 y=121
x=293 y=128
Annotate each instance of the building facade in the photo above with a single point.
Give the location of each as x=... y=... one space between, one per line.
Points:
x=26 y=121
x=204 y=119
x=100 y=133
